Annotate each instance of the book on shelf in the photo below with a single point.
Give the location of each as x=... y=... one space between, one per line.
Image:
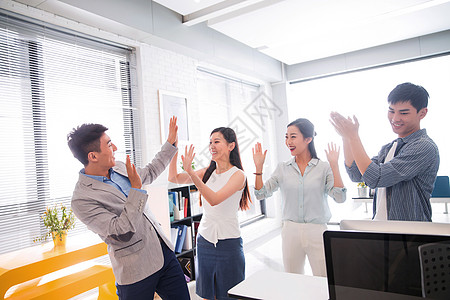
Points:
x=195 y=225
x=174 y=235
x=180 y=204
x=187 y=245
x=196 y=209
x=176 y=213
x=171 y=196
x=181 y=235
x=185 y=206
x=176 y=206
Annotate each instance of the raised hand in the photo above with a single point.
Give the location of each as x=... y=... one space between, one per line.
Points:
x=133 y=175
x=345 y=127
x=187 y=159
x=332 y=153
x=259 y=157
x=173 y=131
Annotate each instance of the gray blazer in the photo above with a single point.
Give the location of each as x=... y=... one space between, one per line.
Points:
x=133 y=245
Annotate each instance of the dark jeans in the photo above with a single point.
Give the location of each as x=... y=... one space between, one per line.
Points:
x=169 y=282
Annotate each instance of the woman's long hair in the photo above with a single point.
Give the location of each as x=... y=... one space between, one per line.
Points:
x=307 y=129
x=235 y=160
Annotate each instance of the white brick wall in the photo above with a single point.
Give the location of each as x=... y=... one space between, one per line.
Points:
x=169 y=71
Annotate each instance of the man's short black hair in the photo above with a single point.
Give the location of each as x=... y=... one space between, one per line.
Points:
x=84 y=139
x=408 y=92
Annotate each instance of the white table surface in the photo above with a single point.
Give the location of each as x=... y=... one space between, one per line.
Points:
x=367 y=200
x=273 y=285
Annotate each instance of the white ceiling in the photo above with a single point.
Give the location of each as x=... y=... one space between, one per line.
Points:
x=294 y=31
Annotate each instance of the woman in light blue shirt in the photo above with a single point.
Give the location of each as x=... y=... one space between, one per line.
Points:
x=305 y=183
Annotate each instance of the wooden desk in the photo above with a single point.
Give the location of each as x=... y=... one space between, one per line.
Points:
x=32 y=263
x=273 y=285
x=444 y=200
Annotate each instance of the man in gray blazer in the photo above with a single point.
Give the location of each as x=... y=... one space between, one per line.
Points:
x=108 y=198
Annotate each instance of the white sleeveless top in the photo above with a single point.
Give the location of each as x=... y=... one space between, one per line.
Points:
x=220 y=222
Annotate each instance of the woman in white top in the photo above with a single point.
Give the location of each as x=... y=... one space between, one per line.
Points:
x=220 y=256
x=305 y=182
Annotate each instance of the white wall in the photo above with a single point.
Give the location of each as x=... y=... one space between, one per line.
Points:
x=165 y=70
x=277 y=150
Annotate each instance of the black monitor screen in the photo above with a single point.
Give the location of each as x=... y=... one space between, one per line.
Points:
x=381 y=265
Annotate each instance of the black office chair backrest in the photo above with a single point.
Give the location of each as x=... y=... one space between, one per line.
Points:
x=435 y=267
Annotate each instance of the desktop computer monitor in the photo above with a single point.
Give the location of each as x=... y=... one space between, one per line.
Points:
x=375 y=265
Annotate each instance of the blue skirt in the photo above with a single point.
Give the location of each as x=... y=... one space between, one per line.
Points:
x=219 y=268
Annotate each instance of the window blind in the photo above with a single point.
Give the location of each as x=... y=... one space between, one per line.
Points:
x=50 y=82
x=233 y=97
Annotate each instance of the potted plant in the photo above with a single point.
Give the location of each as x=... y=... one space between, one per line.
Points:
x=58 y=220
x=363 y=190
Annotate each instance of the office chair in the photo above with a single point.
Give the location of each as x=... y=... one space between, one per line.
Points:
x=441 y=189
x=435 y=267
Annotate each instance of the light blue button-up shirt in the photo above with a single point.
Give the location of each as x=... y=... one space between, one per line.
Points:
x=304 y=197
x=118 y=181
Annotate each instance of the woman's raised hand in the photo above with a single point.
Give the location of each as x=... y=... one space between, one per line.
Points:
x=187 y=159
x=259 y=157
x=332 y=153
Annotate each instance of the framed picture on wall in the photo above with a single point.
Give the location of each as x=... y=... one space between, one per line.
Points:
x=173 y=104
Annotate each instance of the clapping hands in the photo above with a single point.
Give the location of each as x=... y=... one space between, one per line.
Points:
x=345 y=127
